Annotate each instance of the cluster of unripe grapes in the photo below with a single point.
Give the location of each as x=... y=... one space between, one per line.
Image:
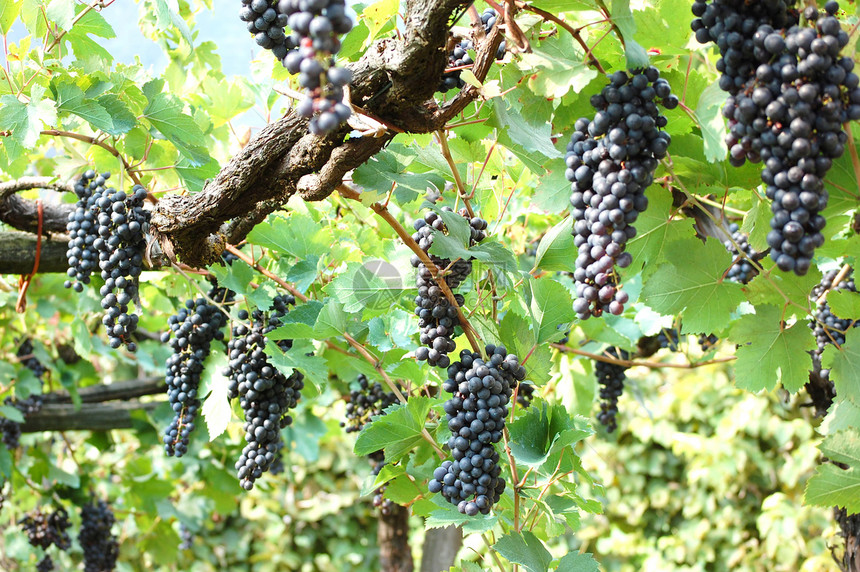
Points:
x=790 y=92
x=610 y=162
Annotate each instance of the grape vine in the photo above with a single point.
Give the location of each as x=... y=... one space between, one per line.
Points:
x=100 y=546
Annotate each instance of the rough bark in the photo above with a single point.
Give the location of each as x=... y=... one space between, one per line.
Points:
x=18 y=254
x=441 y=546
x=394 y=81
x=90 y=416
x=23 y=214
x=850 y=530
x=395 y=555
x=128 y=389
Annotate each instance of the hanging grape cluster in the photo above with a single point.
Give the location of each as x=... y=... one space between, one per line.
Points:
x=742 y=270
x=790 y=92
x=100 y=546
x=32 y=363
x=611 y=378
x=191 y=333
x=267 y=21
x=436 y=316
x=316 y=25
x=476 y=417
x=610 y=162
x=365 y=402
x=44 y=530
x=11 y=429
x=265 y=394
x=460 y=57
x=108 y=230
x=828 y=328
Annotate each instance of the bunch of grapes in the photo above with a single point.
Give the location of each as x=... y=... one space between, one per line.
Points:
x=31 y=362
x=365 y=402
x=708 y=342
x=829 y=329
x=459 y=56
x=437 y=317
x=101 y=548
x=43 y=530
x=267 y=21
x=12 y=430
x=316 y=25
x=610 y=162
x=611 y=378
x=742 y=270
x=669 y=339
x=265 y=394
x=186 y=537
x=108 y=229
x=791 y=91
x=193 y=329
x=476 y=417
x=525 y=395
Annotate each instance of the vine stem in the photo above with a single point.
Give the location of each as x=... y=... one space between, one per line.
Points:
x=648 y=364
x=493 y=552
x=843 y=272
x=359 y=347
x=515 y=479
x=855 y=161
x=461 y=187
x=256 y=266
x=407 y=239
x=592 y=60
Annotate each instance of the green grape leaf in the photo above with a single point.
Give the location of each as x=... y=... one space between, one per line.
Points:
x=71 y=99
x=709 y=115
x=832 y=486
x=532 y=143
x=559 y=73
x=11 y=413
x=298 y=235
x=166 y=113
x=216 y=408
x=556 y=249
x=397 y=432
x=844 y=365
x=691 y=282
x=771 y=352
x=552 y=193
x=757 y=223
x=385 y=168
x=576 y=562
x=25 y=120
x=299 y=322
x=543 y=431
x=844 y=304
x=656 y=230
x=526 y=549
x=551 y=307
x=331 y=321
x=9 y=10
x=84 y=47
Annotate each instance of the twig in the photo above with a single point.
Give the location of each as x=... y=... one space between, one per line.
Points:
x=633 y=363
x=592 y=60
x=279 y=281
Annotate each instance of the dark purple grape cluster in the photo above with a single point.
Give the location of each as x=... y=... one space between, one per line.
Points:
x=437 y=317
x=791 y=91
x=459 y=56
x=82 y=255
x=316 y=25
x=100 y=546
x=611 y=378
x=186 y=537
x=742 y=270
x=365 y=402
x=46 y=564
x=265 y=394
x=525 y=395
x=829 y=329
x=12 y=430
x=708 y=342
x=267 y=22
x=190 y=335
x=44 y=530
x=25 y=354
x=669 y=339
x=476 y=417
x=610 y=162
x=383 y=505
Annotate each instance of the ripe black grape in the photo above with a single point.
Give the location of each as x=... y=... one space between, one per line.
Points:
x=365 y=402
x=316 y=25
x=476 y=418
x=610 y=162
x=12 y=430
x=266 y=21
x=265 y=394
x=829 y=329
x=100 y=546
x=191 y=333
x=741 y=270
x=611 y=378
x=459 y=56
x=437 y=317
x=525 y=395
x=44 y=529
x=708 y=342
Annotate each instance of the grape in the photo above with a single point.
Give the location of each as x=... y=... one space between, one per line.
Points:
x=186 y=537
x=46 y=529
x=101 y=548
x=708 y=342
x=12 y=430
x=669 y=339
x=45 y=564
x=266 y=22
x=193 y=330
x=365 y=402
x=828 y=328
x=525 y=395
x=610 y=162
x=315 y=27
x=82 y=227
x=611 y=378
x=265 y=394
x=437 y=317
x=741 y=270
x=460 y=57
x=476 y=418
